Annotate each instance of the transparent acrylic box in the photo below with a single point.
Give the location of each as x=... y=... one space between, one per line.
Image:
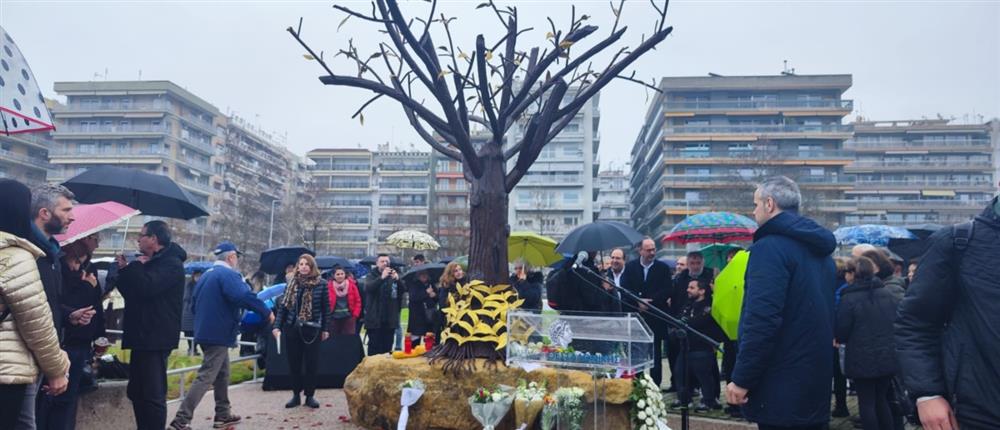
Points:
x=598 y=342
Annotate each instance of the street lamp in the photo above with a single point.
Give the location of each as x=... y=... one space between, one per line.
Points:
x=270 y=231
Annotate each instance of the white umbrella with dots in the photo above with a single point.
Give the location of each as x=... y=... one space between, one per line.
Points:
x=22 y=107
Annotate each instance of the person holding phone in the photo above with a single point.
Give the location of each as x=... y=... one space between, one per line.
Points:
x=301 y=324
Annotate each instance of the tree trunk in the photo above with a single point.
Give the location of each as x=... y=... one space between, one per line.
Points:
x=488 y=221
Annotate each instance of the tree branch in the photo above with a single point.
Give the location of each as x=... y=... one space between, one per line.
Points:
x=536 y=136
x=484 y=84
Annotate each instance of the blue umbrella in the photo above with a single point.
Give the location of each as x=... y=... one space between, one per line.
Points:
x=197 y=266
x=871 y=234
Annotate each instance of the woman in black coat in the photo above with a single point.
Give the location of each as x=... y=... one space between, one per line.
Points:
x=528 y=285
x=303 y=313
x=864 y=324
x=423 y=306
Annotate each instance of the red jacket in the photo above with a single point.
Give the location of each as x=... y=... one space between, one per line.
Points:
x=353 y=297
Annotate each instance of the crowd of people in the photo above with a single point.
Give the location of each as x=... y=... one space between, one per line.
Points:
x=916 y=339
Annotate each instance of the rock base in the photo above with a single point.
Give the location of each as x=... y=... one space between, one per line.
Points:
x=372 y=392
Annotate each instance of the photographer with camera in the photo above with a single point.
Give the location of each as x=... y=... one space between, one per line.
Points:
x=303 y=315
x=383 y=298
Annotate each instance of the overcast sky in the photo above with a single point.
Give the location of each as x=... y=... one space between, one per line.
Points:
x=909 y=59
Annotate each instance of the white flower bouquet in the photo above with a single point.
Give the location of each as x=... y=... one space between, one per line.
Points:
x=550 y=412
x=570 y=400
x=649 y=412
x=528 y=403
x=490 y=405
x=411 y=390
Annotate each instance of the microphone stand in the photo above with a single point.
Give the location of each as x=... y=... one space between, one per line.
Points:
x=656 y=312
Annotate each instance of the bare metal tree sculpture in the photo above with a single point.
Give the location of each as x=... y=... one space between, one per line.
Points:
x=495 y=86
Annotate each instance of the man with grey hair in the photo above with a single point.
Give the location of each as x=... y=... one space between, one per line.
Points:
x=51 y=213
x=216 y=303
x=783 y=364
x=861 y=249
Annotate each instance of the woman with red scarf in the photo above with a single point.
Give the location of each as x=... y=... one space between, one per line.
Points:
x=345 y=302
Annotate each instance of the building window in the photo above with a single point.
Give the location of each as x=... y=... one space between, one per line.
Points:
x=571 y=197
x=570 y=220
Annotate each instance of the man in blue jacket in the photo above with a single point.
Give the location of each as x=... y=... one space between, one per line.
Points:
x=784 y=366
x=218 y=298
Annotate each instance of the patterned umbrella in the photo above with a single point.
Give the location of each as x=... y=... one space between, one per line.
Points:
x=712 y=227
x=412 y=239
x=22 y=107
x=871 y=234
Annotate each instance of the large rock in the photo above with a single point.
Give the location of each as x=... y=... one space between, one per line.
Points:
x=373 y=392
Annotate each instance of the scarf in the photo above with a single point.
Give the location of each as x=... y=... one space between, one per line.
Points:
x=340 y=289
x=292 y=290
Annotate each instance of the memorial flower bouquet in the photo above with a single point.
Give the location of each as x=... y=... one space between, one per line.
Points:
x=490 y=405
x=528 y=403
x=649 y=412
x=570 y=400
x=410 y=392
x=550 y=412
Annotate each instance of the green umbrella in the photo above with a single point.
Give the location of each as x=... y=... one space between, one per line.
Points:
x=535 y=249
x=715 y=254
x=727 y=298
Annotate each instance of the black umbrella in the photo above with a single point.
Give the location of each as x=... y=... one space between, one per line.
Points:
x=274 y=260
x=909 y=249
x=330 y=261
x=434 y=270
x=154 y=195
x=393 y=261
x=923 y=231
x=598 y=236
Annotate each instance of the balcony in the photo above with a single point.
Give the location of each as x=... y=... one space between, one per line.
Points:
x=203 y=145
x=110 y=129
x=940 y=204
x=403 y=204
x=920 y=183
x=350 y=185
x=351 y=221
x=763 y=105
x=199 y=186
x=349 y=203
x=906 y=165
x=206 y=126
x=712 y=180
x=760 y=129
x=156 y=105
x=38 y=140
x=975 y=145
x=103 y=152
x=551 y=180
x=202 y=165
x=757 y=156
x=24 y=160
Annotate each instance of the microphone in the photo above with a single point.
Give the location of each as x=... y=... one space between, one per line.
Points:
x=580 y=257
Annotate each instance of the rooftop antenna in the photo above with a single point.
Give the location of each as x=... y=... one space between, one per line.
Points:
x=140 y=74
x=787 y=71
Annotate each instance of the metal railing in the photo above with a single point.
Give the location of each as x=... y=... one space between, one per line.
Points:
x=762 y=155
x=761 y=128
x=114 y=106
x=965 y=143
x=672 y=105
x=112 y=129
x=950 y=164
x=185 y=370
x=40 y=163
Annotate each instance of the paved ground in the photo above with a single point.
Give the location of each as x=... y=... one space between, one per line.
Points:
x=265 y=410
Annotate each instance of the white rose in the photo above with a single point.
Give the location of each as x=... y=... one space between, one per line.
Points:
x=642 y=415
x=649 y=422
x=497 y=396
x=641 y=404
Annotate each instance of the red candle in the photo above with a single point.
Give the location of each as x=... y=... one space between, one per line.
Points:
x=429 y=341
x=407 y=344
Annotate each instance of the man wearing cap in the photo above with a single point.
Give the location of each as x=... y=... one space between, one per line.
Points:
x=218 y=297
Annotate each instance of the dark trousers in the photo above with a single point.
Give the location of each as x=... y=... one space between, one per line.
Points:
x=147 y=388
x=873 y=402
x=729 y=350
x=59 y=412
x=380 y=340
x=704 y=369
x=839 y=383
x=302 y=360
x=657 y=370
x=809 y=427
x=673 y=352
x=11 y=397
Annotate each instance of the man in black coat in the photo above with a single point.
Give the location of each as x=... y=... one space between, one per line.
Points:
x=153 y=289
x=382 y=300
x=694 y=270
x=784 y=366
x=650 y=280
x=52 y=213
x=947 y=341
